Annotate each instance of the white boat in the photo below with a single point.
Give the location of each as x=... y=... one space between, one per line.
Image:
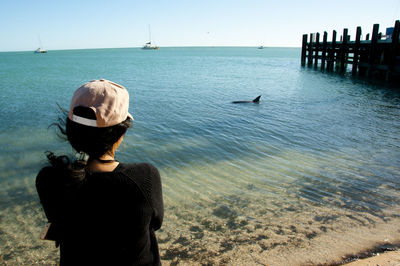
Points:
x=148 y=45
x=40 y=51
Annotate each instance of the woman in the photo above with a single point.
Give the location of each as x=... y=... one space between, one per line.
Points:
x=101 y=211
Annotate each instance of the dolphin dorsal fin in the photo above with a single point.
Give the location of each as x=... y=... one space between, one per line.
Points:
x=256 y=100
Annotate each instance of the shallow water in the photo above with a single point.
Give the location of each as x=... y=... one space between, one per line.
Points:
x=309 y=175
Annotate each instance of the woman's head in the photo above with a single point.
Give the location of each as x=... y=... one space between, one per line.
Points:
x=98 y=117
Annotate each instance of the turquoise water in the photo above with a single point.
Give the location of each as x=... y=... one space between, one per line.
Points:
x=316 y=164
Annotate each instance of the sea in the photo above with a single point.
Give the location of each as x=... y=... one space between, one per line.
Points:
x=309 y=176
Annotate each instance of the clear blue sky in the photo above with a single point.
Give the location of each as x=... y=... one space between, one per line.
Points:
x=76 y=24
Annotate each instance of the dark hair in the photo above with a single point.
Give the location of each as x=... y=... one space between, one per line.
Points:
x=93 y=141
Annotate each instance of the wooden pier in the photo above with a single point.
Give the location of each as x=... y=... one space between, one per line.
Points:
x=375 y=57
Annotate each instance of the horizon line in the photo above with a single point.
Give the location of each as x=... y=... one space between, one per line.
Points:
x=139 y=47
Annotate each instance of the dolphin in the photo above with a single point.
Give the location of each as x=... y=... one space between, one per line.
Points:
x=256 y=100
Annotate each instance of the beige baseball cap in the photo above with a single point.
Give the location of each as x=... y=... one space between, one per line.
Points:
x=108 y=100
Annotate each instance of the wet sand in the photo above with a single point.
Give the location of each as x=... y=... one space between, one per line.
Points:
x=319 y=241
x=389 y=258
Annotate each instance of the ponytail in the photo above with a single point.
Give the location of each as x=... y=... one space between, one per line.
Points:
x=71 y=173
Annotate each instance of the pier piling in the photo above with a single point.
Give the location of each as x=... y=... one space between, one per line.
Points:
x=343 y=51
x=303 y=50
x=316 y=50
x=356 y=52
x=372 y=49
x=394 y=51
x=324 y=47
x=310 y=50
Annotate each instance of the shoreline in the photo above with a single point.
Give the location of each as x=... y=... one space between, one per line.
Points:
x=390 y=257
x=379 y=250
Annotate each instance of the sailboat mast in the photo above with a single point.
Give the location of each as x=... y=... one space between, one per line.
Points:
x=40 y=41
x=149 y=34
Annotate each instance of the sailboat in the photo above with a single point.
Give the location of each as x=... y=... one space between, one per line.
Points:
x=40 y=50
x=148 y=45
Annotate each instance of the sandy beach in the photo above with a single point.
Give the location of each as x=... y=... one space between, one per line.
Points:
x=306 y=237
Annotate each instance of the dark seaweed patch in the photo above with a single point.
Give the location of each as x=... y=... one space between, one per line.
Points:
x=226 y=246
x=173 y=253
x=369 y=252
x=325 y=219
x=311 y=235
x=223 y=211
x=261 y=237
x=182 y=240
x=231 y=224
x=323 y=229
x=293 y=228
x=195 y=228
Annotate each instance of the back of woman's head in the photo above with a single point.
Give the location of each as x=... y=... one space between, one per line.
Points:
x=94 y=141
x=97 y=119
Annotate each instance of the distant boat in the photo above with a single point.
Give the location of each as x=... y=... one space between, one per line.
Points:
x=40 y=51
x=148 y=45
x=261 y=47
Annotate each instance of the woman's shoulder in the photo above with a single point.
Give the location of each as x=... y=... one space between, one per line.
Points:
x=45 y=173
x=47 y=180
x=139 y=169
x=145 y=175
x=46 y=170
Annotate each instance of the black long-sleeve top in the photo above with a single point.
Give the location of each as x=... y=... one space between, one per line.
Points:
x=109 y=219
